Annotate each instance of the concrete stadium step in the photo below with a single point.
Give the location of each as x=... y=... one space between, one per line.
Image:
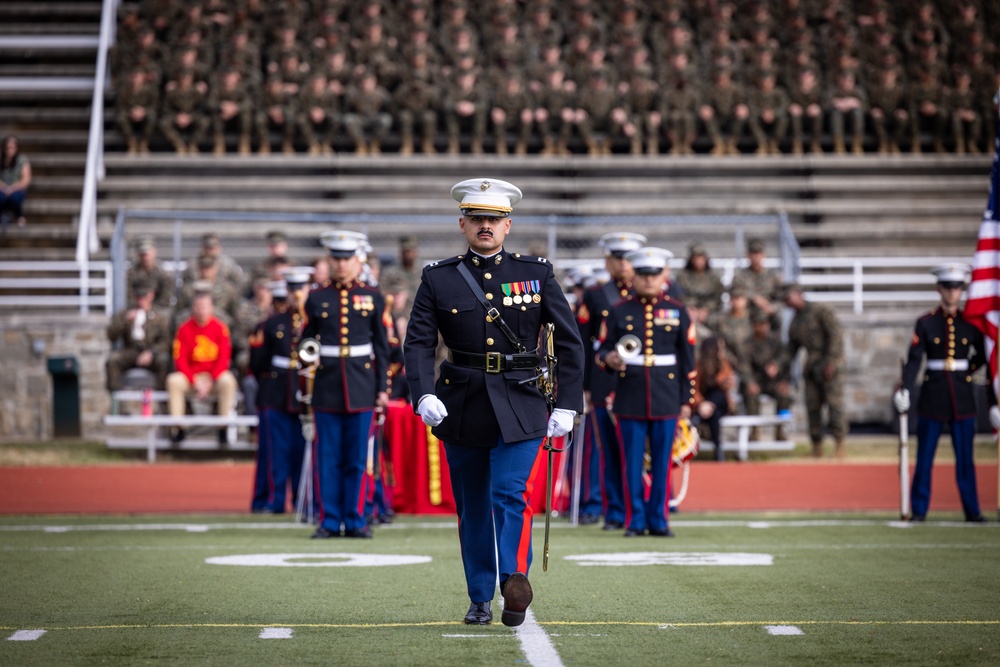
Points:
x=42 y=11
x=23 y=29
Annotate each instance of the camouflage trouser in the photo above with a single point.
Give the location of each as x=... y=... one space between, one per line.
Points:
x=890 y=126
x=831 y=393
x=682 y=124
x=967 y=129
x=372 y=127
x=724 y=124
x=427 y=118
x=265 y=124
x=837 y=123
x=123 y=359
x=240 y=122
x=775 y=130
x=141 y=130
x=590 y=127
x=769 y=387
x=814 y=123
x=196 y=129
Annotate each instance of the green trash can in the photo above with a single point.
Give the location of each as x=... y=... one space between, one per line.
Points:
x=65 y=372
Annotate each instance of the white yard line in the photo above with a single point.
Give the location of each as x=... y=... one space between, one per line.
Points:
x=783 y=630
x=536 y=644
x=26 y=635
x=276 y=633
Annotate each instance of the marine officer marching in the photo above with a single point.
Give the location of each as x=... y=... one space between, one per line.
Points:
x=275 y=362
x=600 y=434
x=490 y=305
x=346 y=317
x=656 y=385
x=954 y=349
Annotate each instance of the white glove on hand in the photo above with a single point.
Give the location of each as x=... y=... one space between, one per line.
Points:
x=901 y=399
x=995 y=417
x=560 y=422
x=431 y=410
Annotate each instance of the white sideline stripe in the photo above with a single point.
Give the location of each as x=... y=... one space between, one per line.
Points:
x=783 y=630
x=26 y=635
x=276 y=633
x=537 y=647
x=475 y=636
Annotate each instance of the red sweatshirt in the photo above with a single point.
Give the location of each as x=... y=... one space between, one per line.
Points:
x=202 y=349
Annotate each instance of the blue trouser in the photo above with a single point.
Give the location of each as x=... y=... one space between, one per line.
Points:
x=340 y=454
x=13 y=201
x=590 y=480
x=603 y=428
x=649 y=514
x=963 y=431
x=280 y=447
x=492 y=487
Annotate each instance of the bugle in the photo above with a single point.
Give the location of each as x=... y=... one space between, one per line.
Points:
x=628 y=347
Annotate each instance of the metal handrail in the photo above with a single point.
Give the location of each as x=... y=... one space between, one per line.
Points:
x=86 y=241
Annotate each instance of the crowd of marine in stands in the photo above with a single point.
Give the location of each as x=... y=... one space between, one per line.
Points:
x=555 y=78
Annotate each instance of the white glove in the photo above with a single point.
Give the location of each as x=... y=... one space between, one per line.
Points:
x=901 y=399
x=560 y=422
x=431 y=410
x=995 y=417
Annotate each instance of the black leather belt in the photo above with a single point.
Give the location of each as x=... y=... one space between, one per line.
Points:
x=494 y=362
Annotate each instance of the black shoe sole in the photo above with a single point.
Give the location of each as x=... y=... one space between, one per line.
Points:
x=517 y=596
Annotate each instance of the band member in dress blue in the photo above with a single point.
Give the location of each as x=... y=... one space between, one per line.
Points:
x=489 y=306
x=346 y=317
x=649 y=341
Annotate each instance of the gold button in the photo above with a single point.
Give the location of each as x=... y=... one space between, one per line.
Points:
x=447 y=381
x=669 y=328
x=671 y=376
x=968 y=378
x=324 y=316
x=649 y=307
x=965 y=341
x=936 y=340
x=489 y=341
x=523 y=308
x=368 y=365
x=628 y=328
x=344 y=330
x=344 y=320
x=489 y=296
x=604 y=313
x=454 y=311
x=517 y=254
x=649 y=316
x=624 y=292
x=649 y=350
x=280 y=334
x=487 y=276
x=622 y=374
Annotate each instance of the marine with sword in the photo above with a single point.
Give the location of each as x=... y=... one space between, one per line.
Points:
x=490 y=306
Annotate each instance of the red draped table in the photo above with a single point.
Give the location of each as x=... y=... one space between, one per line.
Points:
x=420 y=470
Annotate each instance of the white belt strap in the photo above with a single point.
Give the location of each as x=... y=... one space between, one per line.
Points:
x=947 y=364
x=281 y=362
x=346 y=350
x=652 y=360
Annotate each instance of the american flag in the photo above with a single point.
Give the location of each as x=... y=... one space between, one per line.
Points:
x=983 y=305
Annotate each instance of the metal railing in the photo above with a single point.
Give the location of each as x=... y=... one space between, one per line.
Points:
x=56 y=286
x=87 y=242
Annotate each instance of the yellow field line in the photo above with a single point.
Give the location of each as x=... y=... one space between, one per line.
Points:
x=370 y=626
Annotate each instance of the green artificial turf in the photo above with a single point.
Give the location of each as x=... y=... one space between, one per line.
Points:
x=860 y=588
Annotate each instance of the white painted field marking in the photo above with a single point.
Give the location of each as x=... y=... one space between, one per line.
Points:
x=673 y=558
x=26 y=635
x=783 y=630
x=276 y=633
x=537 y=647
x=318 y=560
x=475 y=636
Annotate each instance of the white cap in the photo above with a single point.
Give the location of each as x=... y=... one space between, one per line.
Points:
x=577 y=275
x=279 y=289
x=649 y=260
x=297 y=276
x=952 y=273
x=344 y=243
x=619 y=243
x=486 y=196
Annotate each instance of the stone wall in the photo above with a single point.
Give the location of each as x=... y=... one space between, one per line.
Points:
x=28 y=340
x=874 y=344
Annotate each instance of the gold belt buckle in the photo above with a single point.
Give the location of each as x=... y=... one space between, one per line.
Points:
x=493 y=362
x=648 y=361
x=949 y=364
x=345 y=350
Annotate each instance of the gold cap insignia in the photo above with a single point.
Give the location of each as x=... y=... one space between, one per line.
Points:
x=485 y=185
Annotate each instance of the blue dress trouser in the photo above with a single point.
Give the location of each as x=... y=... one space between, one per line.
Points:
x=591 y=501
x=280 y=448
x=651 y=514
x=341 y=451
x=492 y=488
x=604 y=430
x=963 y=431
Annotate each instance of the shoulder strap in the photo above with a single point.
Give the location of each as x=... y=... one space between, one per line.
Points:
x=492 y=314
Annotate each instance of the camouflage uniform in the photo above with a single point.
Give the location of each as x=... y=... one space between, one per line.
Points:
x=184 y=97
x=930 y=92
x=157 y=338
x=415 y=101
x=888 y=108
x=727 y=104
x=318 y=116
x=138 y=93
x=767 y=284
x=817 y=329
x=603 y=118
x=161 y=282
x=278 y=111
x=231 y=91
x=225 y=297
x=702 y=289
x=963 y=99
x=512 y=111
x=465 y=90
x=768 y=132
x=643 y=100
x=366 y=115
x=554 y=97
x=736 y=330
x=847 y=91
x=758 y=354
x=680 y=114
x=806 y=107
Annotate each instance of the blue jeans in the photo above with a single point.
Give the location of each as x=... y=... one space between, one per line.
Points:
x=13 y=201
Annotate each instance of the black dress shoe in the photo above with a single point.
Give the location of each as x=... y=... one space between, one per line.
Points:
x=917 y=518
x=589 y=519
x=661 y=532
x=613 y=525
x=223 y=437
x=364 y=533
x=516 y=598
x=324 y=533
x=979 y=518
x=479 y=613
x=634 y=532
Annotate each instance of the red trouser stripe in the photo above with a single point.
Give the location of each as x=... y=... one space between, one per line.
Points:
x=525 y=542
